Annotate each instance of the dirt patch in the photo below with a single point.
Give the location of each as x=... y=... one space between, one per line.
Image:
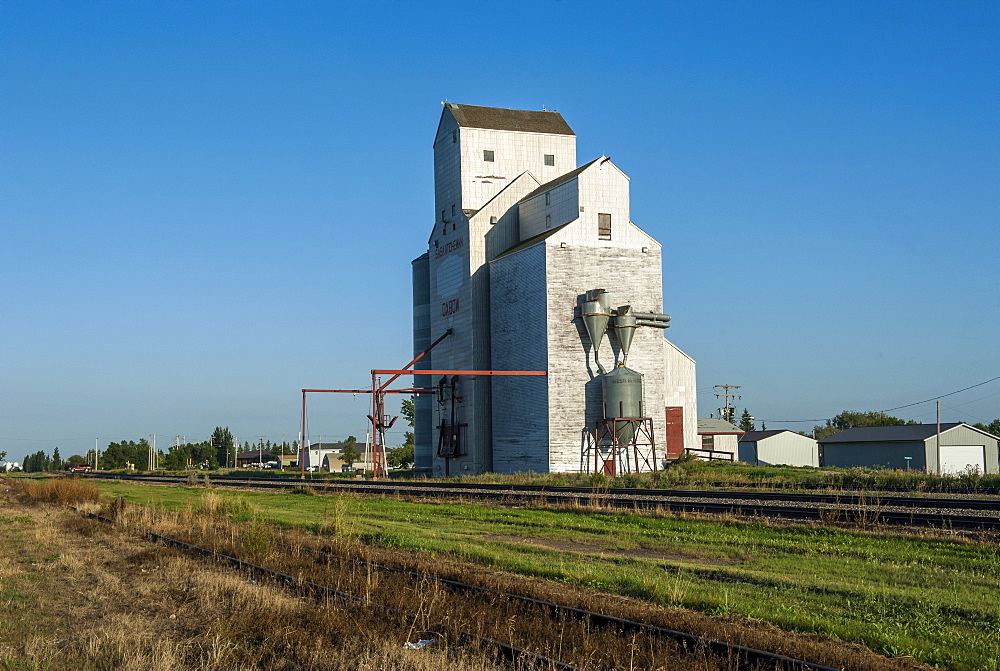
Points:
x=563 y=545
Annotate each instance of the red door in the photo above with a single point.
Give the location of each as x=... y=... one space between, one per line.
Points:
x=675 y=432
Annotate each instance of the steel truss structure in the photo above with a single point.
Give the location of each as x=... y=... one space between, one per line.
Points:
x=623 y=445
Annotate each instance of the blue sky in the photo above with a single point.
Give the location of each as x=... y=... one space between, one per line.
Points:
x=208 y=206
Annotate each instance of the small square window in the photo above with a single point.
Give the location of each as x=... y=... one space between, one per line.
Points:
x=550 y=159
x=488 y=155
x=603 y=226
x=493 y=220
x=548 y=220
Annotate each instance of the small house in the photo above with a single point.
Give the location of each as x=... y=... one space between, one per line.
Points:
x=253 y=459
x=718 y=439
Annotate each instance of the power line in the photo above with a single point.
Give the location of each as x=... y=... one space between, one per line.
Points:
x=900 y=407
x=791 y=421
x=934 y=398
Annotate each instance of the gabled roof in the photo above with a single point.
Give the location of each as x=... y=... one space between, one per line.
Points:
x=551 y=184
x=889 y=434
x=534 y=240
x=716 y=425
x=499 y=118
x=509 y=185
x=755 y=436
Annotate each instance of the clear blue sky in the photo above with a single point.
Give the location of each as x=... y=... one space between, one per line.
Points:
x=208 y=206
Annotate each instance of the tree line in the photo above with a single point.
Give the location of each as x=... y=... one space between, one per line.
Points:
x=848 y=419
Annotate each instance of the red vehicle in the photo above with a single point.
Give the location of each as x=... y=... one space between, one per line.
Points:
x=87 y=468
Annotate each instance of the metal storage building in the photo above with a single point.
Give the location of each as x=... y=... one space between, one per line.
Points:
x=914 y=447
x=778 y=446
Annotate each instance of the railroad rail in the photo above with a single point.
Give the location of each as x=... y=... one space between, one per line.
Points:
x=741 y=655
x=952 y=513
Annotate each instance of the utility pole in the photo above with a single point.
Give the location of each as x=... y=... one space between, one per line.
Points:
x=260 y=451
x=938 y=437
x=728 y=413
x=95 y=453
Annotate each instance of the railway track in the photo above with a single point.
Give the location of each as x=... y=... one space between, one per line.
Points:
x=733 y=655
x=952 y=513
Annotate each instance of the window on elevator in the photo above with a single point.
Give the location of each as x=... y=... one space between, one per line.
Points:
x=603 y=226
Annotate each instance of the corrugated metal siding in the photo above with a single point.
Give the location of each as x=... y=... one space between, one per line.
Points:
x=422 y=429
x=875 y=455
x=790 y=449
x=520 y=420
x=964 y=435
x=680 y=389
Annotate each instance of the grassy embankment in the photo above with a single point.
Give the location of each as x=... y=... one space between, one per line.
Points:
x=933 y=596
x=696 y=473
x=684 y=473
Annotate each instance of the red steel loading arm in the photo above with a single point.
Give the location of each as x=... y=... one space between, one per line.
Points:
x=397 y=373
x=372 y=391
x=415 y=359
x=414 y=390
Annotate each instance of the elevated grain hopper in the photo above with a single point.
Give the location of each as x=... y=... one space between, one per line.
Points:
x=623 y=438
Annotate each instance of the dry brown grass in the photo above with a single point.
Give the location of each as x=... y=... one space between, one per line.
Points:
x=77 y=594
x=71 y=491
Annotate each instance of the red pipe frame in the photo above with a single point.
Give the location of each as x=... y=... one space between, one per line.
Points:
x=379 y=390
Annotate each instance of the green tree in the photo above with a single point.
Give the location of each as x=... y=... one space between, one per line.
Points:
x=57 y=462
x=993 y=427
x=121 y=454
x=75 y=460
x=746 y=421
x=849 y=419
x=408 y=410
x=36 y=463
x=222 y=441
x=351 y=452
x=402 y=456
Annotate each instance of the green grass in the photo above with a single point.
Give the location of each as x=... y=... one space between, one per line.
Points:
x=695 y=473
x=937 y=599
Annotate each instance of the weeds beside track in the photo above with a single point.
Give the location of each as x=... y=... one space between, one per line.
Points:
x=741 y=656
x=865 y=509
